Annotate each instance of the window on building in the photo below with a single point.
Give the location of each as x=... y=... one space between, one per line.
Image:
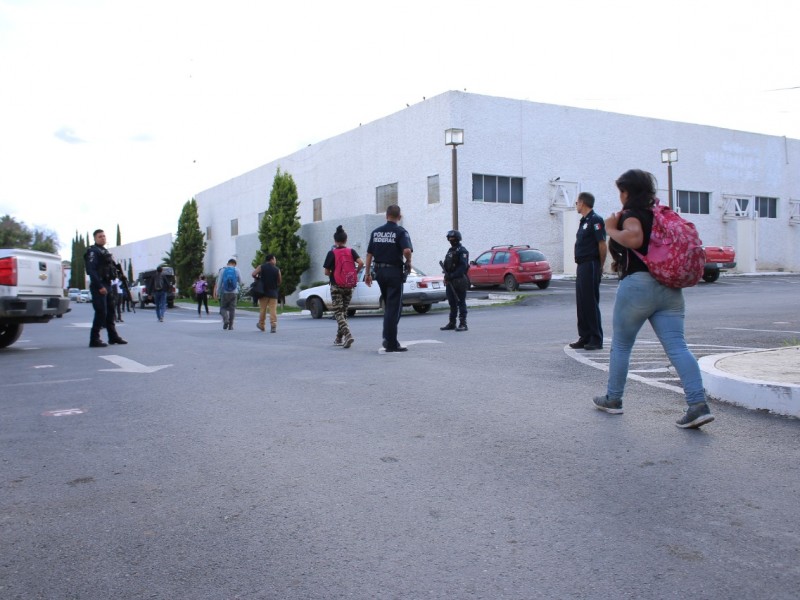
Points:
x=261 y=219
x=433 y=189
x=385 y=196
x=208 y=233
x=234 y=227
x=496 y=188
x=317 y=209
x=693 y=203
x=766 y=208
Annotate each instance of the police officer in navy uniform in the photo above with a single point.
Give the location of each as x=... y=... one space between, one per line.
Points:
x=455 y=266
x=102 y=270
x=389 y=246
x=590 y=255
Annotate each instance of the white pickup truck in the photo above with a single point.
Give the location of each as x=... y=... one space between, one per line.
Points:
x=31 y=291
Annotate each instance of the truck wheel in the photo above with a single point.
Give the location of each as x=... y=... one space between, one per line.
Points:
x=421 y=308
x=711 y=276
x=9 y=333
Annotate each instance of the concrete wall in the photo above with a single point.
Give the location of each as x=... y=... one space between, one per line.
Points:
x=144 y=254
x=587 y=150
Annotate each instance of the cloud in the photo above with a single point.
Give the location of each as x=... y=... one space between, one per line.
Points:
x=67 y=134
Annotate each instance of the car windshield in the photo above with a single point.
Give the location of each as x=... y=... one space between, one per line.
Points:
x=527 y=256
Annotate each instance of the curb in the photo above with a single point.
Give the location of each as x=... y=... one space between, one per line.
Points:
x=776 y=397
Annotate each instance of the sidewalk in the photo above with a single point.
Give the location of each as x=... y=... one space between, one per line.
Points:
x=761 y=379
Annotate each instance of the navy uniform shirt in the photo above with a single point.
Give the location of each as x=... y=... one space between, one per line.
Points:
x=386 y=244
x=591 y=231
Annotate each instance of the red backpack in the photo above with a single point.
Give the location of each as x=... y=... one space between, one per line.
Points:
x=344 y=270
x=675 y=255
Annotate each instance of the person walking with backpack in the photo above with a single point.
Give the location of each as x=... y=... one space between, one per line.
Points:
x=159 y=286
x=641 y=297
x=340 y=265
x=269 y=276
x=201 y=293
x=227 y=291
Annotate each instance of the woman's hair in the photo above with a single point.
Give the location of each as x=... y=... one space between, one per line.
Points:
x=340 y=236
x=641 y=188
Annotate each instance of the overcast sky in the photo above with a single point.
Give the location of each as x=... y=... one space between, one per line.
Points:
x=118 y=112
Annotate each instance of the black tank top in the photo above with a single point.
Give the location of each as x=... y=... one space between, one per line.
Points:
x=626 y=259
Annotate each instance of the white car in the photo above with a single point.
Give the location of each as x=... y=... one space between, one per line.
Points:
x=85 y=296
x=419 y=291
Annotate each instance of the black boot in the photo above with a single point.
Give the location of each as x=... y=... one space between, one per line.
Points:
x=462 y=325
x=450 y=326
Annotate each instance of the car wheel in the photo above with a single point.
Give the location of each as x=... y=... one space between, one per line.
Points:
x=543 y=285
x=315 y=307
x=9 y=333
x=351 y=312
x=142 y=304
x=422 y=308
x=171 y=304
x=511 y=283
x=711 y=276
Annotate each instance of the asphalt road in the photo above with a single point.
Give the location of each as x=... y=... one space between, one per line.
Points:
x=200 y=463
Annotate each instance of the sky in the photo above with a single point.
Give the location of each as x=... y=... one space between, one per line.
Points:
x=116 y=112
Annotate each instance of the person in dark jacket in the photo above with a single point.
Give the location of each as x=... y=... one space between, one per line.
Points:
x=102 y=270
x=389 y=252
x=590 y=256
x=455 y=266
x=269 y=276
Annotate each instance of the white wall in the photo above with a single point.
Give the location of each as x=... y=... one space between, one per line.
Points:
x=521 y=139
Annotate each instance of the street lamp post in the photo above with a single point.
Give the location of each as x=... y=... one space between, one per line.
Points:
x=669 y=156
x=454 y=137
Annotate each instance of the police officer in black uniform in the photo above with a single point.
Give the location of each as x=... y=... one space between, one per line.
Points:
x=388 y=246
x=102 y=269
x=456 y=265
x=590 y=255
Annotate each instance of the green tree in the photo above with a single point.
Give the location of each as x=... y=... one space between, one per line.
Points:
x=77 y=277
x=189 y=248
x=277 y=233
x=119 y=236
x=15 y=234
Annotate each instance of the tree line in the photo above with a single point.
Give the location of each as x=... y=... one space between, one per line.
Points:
x=277 y=235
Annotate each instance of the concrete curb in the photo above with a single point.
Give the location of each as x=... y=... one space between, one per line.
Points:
x=777 y=397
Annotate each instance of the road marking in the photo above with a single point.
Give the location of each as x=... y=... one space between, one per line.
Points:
x=67 y=412
x=126 y=365
x=58 y=381
x=756 y=330
x=43 y=366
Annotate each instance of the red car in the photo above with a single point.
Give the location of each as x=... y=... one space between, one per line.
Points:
x=510 y=266
x=718 y=258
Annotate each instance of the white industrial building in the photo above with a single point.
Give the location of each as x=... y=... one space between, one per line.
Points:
x=518 y=172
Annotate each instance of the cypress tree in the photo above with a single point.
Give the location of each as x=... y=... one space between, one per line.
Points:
x=189 y=248
x=278 y=233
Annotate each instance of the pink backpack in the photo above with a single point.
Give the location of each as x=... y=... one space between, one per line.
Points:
x=344 y=272
x=675 y=255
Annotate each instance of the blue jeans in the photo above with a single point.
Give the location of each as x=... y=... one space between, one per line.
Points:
x=641 y=298
x=161 y=304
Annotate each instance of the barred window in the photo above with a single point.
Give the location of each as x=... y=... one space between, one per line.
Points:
x=433 y=189
x=208 y=233
x=234 y=227
x=385 y=196
x=497 y=189
x=766 y=208
x=693 y=203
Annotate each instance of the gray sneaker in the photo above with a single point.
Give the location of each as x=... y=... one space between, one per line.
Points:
x=695 y=416
x=337 y=341
x=348 y=341
x=608 y=405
